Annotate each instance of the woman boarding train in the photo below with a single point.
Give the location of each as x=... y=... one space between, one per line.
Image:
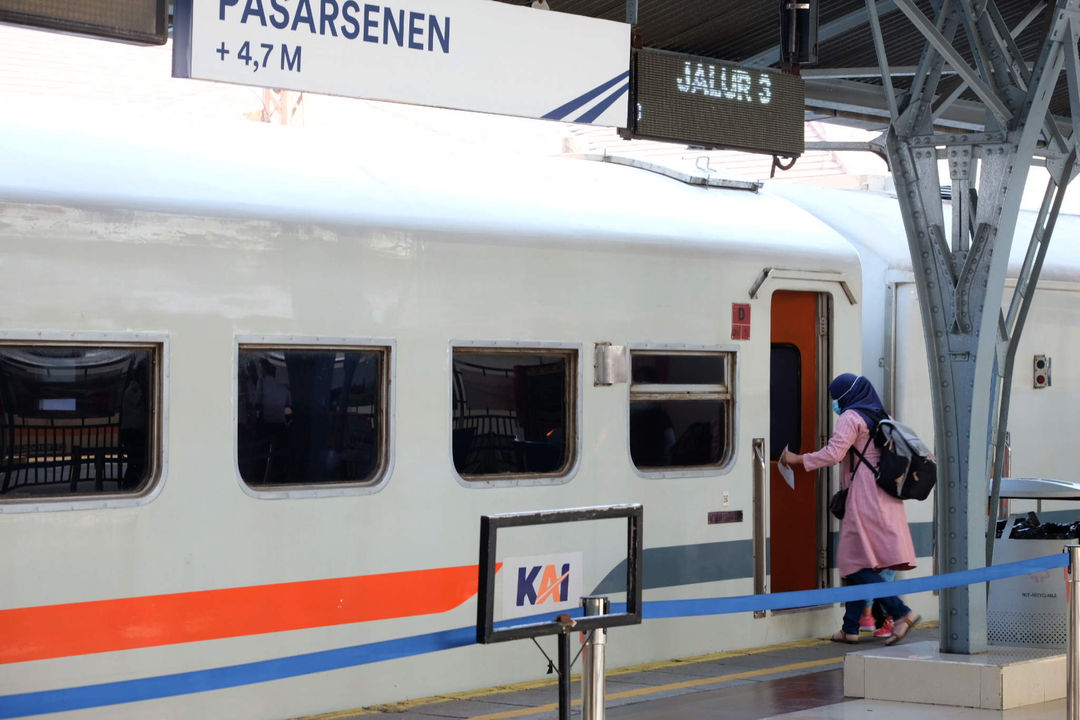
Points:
x=874 y=533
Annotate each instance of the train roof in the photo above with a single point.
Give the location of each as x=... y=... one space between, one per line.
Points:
x=853 y=212
x=255 y=170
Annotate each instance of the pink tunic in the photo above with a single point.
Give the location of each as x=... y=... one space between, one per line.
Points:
x=874 y=532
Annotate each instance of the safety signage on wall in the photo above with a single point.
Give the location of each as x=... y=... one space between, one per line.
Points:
x=464 y=54
x=740 y=321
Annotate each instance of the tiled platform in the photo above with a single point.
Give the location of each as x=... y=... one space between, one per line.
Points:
x=802 y=680
x=1001 y=679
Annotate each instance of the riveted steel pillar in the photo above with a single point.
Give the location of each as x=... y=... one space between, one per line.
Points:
x=960 y=263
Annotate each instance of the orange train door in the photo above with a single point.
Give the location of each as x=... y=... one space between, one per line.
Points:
x=797 y=350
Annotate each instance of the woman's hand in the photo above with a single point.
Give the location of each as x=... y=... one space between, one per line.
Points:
x=789 y=458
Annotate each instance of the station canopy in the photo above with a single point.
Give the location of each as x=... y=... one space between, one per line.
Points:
x=844 y=85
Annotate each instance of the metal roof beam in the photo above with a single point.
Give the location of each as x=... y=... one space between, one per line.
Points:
x=1072 y=70
x=953 y=58
x=923 y=88
x=862 y=72
x=883 y=61
x=948 y=92
x=866 y=99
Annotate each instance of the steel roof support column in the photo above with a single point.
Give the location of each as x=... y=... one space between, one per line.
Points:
x=960 y=266
x=1012 y=323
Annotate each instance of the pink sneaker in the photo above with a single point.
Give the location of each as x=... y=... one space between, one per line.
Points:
x=885 y=630
x=866 y=622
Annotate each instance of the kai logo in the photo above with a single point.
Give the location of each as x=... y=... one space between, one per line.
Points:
x=552 y=586
x=541 y=583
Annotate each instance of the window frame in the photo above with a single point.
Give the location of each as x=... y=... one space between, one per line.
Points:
x=573 y=353
x=668 y=391
x=158 y=453
x=387 y=431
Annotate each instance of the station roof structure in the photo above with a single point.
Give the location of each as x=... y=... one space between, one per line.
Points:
x=845 y=84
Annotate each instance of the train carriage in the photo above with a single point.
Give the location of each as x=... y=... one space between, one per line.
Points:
x=258 y=389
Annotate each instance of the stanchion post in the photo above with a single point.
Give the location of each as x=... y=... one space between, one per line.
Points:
x=564 y=674
x=1072 y=655
x=592 y=661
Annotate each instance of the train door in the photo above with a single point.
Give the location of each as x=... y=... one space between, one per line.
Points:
x=798 y=384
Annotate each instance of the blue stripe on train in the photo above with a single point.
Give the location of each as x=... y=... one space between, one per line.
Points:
x=87 y=696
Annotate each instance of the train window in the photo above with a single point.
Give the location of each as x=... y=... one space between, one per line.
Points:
x=77 y=420
x=680 y=409
x=311 y=415
x=512 y=412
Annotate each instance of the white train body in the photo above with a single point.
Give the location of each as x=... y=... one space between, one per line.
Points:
x=204 y=245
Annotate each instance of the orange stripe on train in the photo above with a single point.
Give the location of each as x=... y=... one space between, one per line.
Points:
x=51 y=631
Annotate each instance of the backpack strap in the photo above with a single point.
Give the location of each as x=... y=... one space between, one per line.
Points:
x=862 y=458
x=878 y=417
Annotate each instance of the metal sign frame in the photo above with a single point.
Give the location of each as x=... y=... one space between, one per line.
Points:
x=485 y=606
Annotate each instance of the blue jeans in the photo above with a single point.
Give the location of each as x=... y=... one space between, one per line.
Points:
x=887 y=575
x=894 y=607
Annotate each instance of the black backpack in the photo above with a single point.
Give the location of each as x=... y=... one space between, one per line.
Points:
x=906 y=469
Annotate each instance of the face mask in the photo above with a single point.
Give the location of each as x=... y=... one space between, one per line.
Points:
x=836 y=402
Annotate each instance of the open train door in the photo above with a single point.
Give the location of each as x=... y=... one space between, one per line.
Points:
x=799 y=371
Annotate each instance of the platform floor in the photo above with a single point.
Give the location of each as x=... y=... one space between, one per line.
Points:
x=797 y=681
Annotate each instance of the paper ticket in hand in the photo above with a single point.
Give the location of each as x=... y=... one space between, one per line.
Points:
x=785 y=471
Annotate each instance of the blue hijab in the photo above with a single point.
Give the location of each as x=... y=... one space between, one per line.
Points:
x=854 y=392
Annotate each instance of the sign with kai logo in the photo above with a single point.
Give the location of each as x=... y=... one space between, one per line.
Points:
x=541 y=583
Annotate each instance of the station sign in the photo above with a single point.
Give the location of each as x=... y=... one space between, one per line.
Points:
x=700 y=101
x=463 y=54
x=136 y=21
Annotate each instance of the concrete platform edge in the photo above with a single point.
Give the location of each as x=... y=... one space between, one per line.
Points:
x=1003 y=678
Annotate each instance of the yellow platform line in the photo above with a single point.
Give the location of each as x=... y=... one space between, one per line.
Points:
x=406 y=705
x=697 y=682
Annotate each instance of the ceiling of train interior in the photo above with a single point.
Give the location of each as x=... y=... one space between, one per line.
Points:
x=844 y=85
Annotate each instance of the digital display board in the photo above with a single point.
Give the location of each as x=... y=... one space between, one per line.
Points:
x=137 y=21
x=700 y=101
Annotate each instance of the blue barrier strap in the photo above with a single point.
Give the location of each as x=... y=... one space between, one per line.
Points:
x=807 y=598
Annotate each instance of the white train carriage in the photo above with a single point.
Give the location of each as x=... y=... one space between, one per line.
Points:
x=258 y=388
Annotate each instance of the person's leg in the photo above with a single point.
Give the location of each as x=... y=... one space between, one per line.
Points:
x=894 y=607
x=883 y=627
x=866 y=622
x=879 y=614
x=853 y=609
x=904 y=617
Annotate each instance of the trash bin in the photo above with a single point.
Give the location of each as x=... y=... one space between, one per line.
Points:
x=1029 y=610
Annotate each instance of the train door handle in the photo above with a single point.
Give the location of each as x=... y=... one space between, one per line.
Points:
x=761 y=498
